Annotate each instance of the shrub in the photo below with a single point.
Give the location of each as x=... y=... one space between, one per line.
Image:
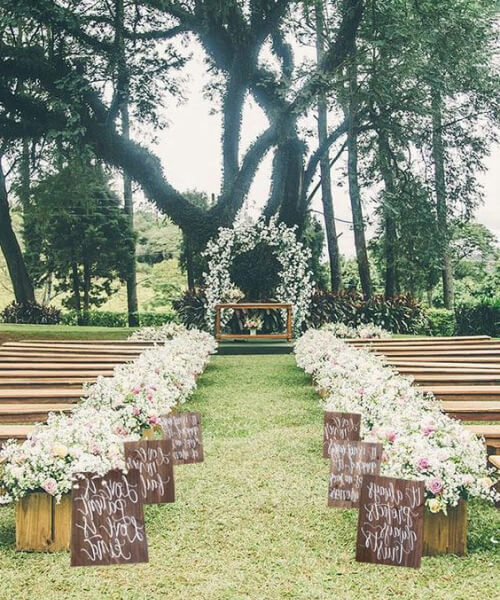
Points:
x=479 y=319
x=31 y=313
x=440 y=322
x=401 y=314
x=191 y=310
x=102 y=318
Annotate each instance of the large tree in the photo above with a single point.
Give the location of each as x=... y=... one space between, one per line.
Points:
x=67 y=90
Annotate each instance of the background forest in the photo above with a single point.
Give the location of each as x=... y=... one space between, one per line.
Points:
x=395 y=101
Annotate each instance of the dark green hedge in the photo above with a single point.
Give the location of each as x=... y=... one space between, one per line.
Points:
x=440 y=322
x=479 y=319
x=101 y=318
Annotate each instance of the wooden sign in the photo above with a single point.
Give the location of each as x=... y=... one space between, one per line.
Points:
x=340 y=426
x=349 y=461
x=107 y=520
x=184 y=429
x=153 y=459
x=391 y=520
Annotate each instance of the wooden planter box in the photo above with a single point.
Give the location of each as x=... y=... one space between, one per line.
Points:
x=446 y=534
x=41 y=524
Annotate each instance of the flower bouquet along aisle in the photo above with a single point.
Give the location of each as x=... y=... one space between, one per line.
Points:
x=420 y=442
x=37 y=475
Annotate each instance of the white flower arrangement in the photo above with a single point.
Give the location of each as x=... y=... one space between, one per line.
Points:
x=364 y=331
x=160 y=333
x=420 y=441
x=295 y=285
x=113 y=410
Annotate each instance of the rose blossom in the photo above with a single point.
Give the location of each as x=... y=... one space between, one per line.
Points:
x=423 y=464
x=50 y=485
x=434 y=485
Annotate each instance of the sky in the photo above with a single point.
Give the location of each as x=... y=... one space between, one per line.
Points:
x=191 y=155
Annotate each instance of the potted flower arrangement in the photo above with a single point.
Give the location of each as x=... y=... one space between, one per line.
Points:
x=420 y=441
x=253 y=324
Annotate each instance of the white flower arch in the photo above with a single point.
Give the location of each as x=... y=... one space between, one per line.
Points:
x=295 y=279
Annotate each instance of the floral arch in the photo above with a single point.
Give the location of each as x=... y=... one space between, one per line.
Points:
x=295 y=284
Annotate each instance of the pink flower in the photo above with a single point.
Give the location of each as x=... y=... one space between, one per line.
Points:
x=120 y=430
x=50 y=486
x=136 y=390
x=428 y=429
x=153 y=420
x=361 y=391
x=434 y=485
x=150 y=397
x=390 y=436
x=136 y=411
x=423 y=464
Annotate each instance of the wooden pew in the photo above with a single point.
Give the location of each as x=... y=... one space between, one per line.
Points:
x=420 y=339
x=16 y=432
x=30 y=413
x=464 y=392
x=34 y=370
x=26 y=382
x=41 y=395
x=491 y=435
x=473 y=410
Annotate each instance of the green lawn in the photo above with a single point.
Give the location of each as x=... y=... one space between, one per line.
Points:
x=251 y=522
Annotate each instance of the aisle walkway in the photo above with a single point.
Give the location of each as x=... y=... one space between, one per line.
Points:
x=251 y=522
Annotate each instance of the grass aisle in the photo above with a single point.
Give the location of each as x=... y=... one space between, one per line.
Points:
x=251 y=522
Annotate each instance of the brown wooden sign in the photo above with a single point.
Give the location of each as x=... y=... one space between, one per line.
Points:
x=107 y=520
x=153 y=459
x=390 y=523
x=184 y=429
x=349 y=461
x=340 y=426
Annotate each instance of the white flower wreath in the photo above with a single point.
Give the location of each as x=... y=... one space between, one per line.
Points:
x=295 y=279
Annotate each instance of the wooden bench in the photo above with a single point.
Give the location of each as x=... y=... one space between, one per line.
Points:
x=420 y=339
x=29 y=413
x=464 y=392
x=42 y=395
x=23 y=382
x=491 y=435
x=430 y=379
x=16 y=432
x=495 y=460
x=472 y=410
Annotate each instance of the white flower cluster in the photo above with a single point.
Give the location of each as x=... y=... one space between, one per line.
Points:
x=365 y=331
x=295 y=285
x=115 y=409
x=420 y=441
x=160 y=333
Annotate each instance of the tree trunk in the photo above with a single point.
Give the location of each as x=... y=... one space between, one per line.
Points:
x=76 y=291
x=123 y=90
x=21 y=282
x=86 y=286
x=389 y=219
x=441 y=204
x=132 y=302
x=354 y=192
x=326 y=183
